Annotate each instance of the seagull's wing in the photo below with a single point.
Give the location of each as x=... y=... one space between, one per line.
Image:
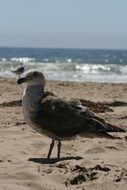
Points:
x=68 y=118
x=18 y=69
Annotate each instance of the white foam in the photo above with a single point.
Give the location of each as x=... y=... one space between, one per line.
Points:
x=72 y=71
x=22 y=59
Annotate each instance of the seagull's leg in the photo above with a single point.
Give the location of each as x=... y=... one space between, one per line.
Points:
x=59 y=148
x=50 y=149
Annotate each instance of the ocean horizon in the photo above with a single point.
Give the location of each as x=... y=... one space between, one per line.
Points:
x=66 y=64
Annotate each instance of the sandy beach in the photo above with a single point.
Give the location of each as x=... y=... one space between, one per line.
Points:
x=87 y=163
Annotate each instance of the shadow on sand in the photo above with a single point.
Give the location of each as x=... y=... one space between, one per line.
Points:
x=53 y=160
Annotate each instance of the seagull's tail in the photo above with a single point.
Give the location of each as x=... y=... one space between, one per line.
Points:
x=98 y=126
x=112 y=128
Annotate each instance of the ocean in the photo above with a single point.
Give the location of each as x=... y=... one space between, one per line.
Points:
x=80 y=65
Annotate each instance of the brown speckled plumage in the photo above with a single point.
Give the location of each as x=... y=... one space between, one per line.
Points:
x=56 y=117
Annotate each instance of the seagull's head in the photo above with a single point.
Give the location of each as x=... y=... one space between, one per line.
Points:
x=32 y=77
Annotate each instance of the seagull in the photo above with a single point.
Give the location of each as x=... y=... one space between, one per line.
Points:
x=18 y=70
x=55 y=117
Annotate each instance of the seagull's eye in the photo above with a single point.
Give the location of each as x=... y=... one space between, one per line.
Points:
x=34 y=74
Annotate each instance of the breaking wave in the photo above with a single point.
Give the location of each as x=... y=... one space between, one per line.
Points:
x=68 y=65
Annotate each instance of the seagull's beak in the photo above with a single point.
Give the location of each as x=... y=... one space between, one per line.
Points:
x=21 y=80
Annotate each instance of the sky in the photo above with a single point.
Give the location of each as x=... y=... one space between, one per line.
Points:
x=64 y=23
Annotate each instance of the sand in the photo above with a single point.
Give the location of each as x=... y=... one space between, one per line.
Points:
x=86 y=163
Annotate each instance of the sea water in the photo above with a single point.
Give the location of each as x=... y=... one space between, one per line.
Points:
x=81 y=65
